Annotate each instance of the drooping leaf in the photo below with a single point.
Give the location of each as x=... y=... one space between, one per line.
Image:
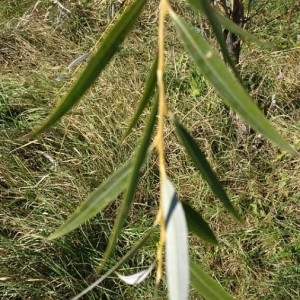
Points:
x=137 y=277
x=224 y=82
x=205 y=7
x=107 y=192
x=200 y=161
x=98 y=62
x=125 y=258
x=206 y=286
x=238 y=30
x=228 y=24
x=177 y=257
x=197 y=225
x=149 y=88
x=126 y=204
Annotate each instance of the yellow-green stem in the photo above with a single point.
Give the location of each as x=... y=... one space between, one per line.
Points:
x=159 y=139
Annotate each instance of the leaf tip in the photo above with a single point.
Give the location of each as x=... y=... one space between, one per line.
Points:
x=294 y=152
x=236 y=215
x=27 y=137
x=214 y=241
x=52 y=236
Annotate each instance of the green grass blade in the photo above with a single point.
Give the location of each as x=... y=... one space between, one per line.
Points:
x=203 y=166
x=177 y=246
x=125 y=258
x=224 y=82
x=98 y=62
x=205 y=7
x=206 y=286
x=149 y=88
x=125 y=206
x=97 y=200
x=197 y=225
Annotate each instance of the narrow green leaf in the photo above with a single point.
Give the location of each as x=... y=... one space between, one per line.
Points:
x=177 y=256
x=126 y=204
x=125 y=258
x=149 y=88
x=98 y=62
x=197 y=225
x=229 y=24
x=206 y=286
x=238 y=30
x=107 y=192
x=205 y=7
x=200 y=161
x=224 y=82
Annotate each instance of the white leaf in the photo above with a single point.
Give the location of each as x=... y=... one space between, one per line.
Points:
x=63 y=77
x=177 y=257
x=77 y=61
x=136 y=278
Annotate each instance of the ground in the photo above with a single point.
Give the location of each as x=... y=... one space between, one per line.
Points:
x=42 y=181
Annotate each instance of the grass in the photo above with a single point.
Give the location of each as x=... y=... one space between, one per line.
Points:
x=42 y=182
